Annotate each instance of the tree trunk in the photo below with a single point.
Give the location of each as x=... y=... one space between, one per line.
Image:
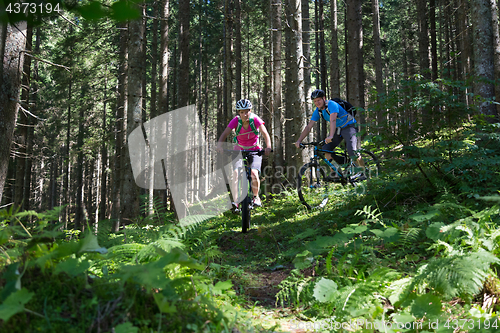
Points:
x=130 y=192
x=434 y=62
x=237 y=49
x=266 y=108
x=379 y=83
x=120 y=125
x=79 y=165
x=334 y=66
x=298 y=119
x=354 y=45
x=484 y=69
x=423 y=38
x=496 y=45
x=164 y=51
x=104 y=155
x=184 y=89
x=153 y=195
x=322 y=47
x=277 y=102
x=228 y=61
x=306 y=49
x=22 y=131
x=12 y=43
x=288 y=88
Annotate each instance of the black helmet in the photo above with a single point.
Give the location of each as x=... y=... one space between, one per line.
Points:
x=243 y=104
x=317 y=93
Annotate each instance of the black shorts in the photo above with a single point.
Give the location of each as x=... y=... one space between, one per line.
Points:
x=254 y=161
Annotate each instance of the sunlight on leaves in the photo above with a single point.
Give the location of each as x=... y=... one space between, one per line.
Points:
x=89 y=244
x=427 y=305
x=325 y=290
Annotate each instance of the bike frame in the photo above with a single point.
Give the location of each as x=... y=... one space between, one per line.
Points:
x=319 y=155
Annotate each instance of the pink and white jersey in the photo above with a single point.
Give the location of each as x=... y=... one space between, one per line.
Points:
x=247 y=137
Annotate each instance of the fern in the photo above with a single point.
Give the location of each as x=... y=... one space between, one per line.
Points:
x=292 y=288
x=361 y=295
x=371 y=215
x=410 y=236
x=458 y=275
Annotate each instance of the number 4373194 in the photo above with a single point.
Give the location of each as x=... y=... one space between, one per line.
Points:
x=470 y=324
x=32 y=8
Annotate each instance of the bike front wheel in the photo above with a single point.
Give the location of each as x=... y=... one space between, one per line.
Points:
x=246 y=213
x=312 y=187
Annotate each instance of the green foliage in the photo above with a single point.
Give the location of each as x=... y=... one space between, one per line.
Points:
x=46 y=277
x=293 y=288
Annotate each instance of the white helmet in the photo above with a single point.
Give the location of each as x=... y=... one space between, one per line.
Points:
x=243 y=104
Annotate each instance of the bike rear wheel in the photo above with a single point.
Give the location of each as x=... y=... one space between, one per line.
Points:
x=246 y=213
x=312 y=187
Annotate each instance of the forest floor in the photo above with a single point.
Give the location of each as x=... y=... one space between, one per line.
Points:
x=261 y=259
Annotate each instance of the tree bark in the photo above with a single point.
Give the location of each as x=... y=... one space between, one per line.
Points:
x=335 y=65
x=434 y=62
x=354 y=45
x=298 y=121
x=184 y=89
x=237 y=50
x=12 y=43
x=121 y=106
x=164 y=56
x=23 y=129
x=306 y=50
x=277 y=86
x=423 y=38
x=484 y=69
x=379 y=83
x=496 y=45
x=79 y=166
x=104 y=155
x=228 y=62
x=130 y=192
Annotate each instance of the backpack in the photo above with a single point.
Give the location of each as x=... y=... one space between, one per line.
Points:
x=240 y=126
x=346 y=105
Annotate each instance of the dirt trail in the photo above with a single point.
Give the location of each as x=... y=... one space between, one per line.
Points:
x=260 y=286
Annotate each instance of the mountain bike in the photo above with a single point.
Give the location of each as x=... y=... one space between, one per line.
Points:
x=314 y=181
x=244 y=187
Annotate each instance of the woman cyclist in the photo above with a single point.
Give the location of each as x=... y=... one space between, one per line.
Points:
x=248 y=126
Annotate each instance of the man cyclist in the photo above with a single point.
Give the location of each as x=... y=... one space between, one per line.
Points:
x=342 y=125
x=249 y=126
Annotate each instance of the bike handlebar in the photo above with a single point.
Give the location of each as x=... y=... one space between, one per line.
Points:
x=313 y=143
x=259 y=152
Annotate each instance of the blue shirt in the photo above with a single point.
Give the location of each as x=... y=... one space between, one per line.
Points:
x=343 y=117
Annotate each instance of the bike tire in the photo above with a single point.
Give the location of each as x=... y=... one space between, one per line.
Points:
x=312 y=186
x=246 y=214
